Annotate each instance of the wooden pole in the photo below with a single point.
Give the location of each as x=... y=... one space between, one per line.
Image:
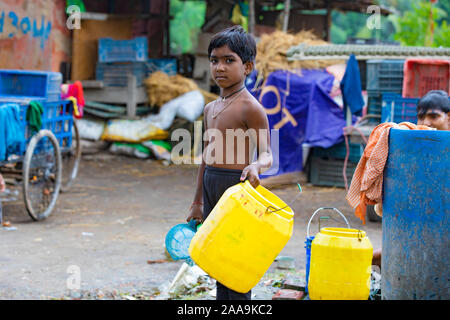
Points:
x=251 y=13
x=287 y=9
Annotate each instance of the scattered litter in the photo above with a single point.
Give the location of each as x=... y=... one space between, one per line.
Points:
x=288 y=294
x=375 y=286
x=188 y=280
x=9 y=228
x=122 y=221
x=6 y=224
x=87 y=234
x=294 y=284
x=158 y=261
x=285 y=262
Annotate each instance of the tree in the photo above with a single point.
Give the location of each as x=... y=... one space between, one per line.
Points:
x=189 y=16
x=414 y=28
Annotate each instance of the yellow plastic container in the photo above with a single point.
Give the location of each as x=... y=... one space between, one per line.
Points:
x=340 y=266
x=242 y=236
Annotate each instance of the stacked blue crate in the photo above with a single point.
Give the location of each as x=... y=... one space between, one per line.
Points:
x=168 y=66
x=115 y=74
x=327 y=164
x=383 y=76
x=27 y=85
x=398 y=109
x=118 y=58
x=110 y=50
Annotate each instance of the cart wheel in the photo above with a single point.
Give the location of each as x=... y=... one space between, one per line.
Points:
x=71 y=160
x=41 y=174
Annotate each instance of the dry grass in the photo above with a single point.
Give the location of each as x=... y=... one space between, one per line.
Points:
x=271 y=53
x=162 y=88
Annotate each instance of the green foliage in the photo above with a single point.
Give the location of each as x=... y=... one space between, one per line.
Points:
x=414 y=26
x=354 y=25
x=189 y=16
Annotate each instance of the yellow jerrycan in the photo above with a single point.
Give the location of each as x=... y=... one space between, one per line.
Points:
x=242 y=236
x=340 y=265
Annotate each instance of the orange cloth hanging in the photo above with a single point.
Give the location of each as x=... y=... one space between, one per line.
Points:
x=367 y=182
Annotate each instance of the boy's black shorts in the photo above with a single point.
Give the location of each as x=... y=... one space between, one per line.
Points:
x=215 y=182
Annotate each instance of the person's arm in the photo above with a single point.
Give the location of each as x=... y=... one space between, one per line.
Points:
x=196 y=209
x=256 y=119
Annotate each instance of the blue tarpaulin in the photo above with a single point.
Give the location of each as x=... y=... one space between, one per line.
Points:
x=302 y=111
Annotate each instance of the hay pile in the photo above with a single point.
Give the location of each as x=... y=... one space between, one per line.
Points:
x=162 y=88
x=271 y=52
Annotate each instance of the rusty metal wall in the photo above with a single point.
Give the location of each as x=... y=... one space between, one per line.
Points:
x=33 y=34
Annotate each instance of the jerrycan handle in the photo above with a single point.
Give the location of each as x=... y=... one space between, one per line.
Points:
x=325 y=208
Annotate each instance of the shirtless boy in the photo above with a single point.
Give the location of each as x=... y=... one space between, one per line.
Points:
x=227 y=157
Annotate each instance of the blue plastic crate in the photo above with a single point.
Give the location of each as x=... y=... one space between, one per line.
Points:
x=57 y=117
x=329 y=172
x=339 y=151
x=375 y=101
x=116 y=74
x=110 y=50
x=398 y=109
x=384 y=75
x=168 y=66
x=30 y=84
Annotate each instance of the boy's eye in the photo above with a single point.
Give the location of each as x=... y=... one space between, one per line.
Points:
x=229 y=60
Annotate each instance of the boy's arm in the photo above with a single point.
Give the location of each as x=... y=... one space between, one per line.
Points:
x=196 y=209
x=256 y=119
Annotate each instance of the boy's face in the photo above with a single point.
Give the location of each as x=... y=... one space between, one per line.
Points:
x=435 y=119
x=227 y=68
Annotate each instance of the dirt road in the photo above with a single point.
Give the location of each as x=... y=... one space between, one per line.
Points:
x=114 y=221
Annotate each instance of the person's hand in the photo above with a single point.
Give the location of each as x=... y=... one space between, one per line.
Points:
x=2 y=184
x=250 y=172
x=196 y=212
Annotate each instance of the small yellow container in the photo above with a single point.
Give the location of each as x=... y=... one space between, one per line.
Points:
x=340 y=266
x=242 y=236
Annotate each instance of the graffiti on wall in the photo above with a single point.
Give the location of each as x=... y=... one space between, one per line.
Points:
x=25 y=25
x=33 y=34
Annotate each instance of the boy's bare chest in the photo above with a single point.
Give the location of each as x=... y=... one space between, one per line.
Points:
x=230 y=117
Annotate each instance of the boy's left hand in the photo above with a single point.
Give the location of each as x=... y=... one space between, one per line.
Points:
x=250 y=172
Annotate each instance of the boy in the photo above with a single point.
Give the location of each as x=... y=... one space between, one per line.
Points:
x=226 y=163
x=433 y=110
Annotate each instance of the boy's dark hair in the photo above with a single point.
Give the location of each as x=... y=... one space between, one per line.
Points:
x=433 y=100
x=238 y=40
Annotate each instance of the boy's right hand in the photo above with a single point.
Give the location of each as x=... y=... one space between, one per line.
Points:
x=196 y=212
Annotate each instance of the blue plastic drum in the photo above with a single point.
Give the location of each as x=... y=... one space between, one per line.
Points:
x=416 y=211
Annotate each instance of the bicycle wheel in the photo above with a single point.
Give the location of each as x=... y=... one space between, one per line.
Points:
x=41 y=174
x=71 y=158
